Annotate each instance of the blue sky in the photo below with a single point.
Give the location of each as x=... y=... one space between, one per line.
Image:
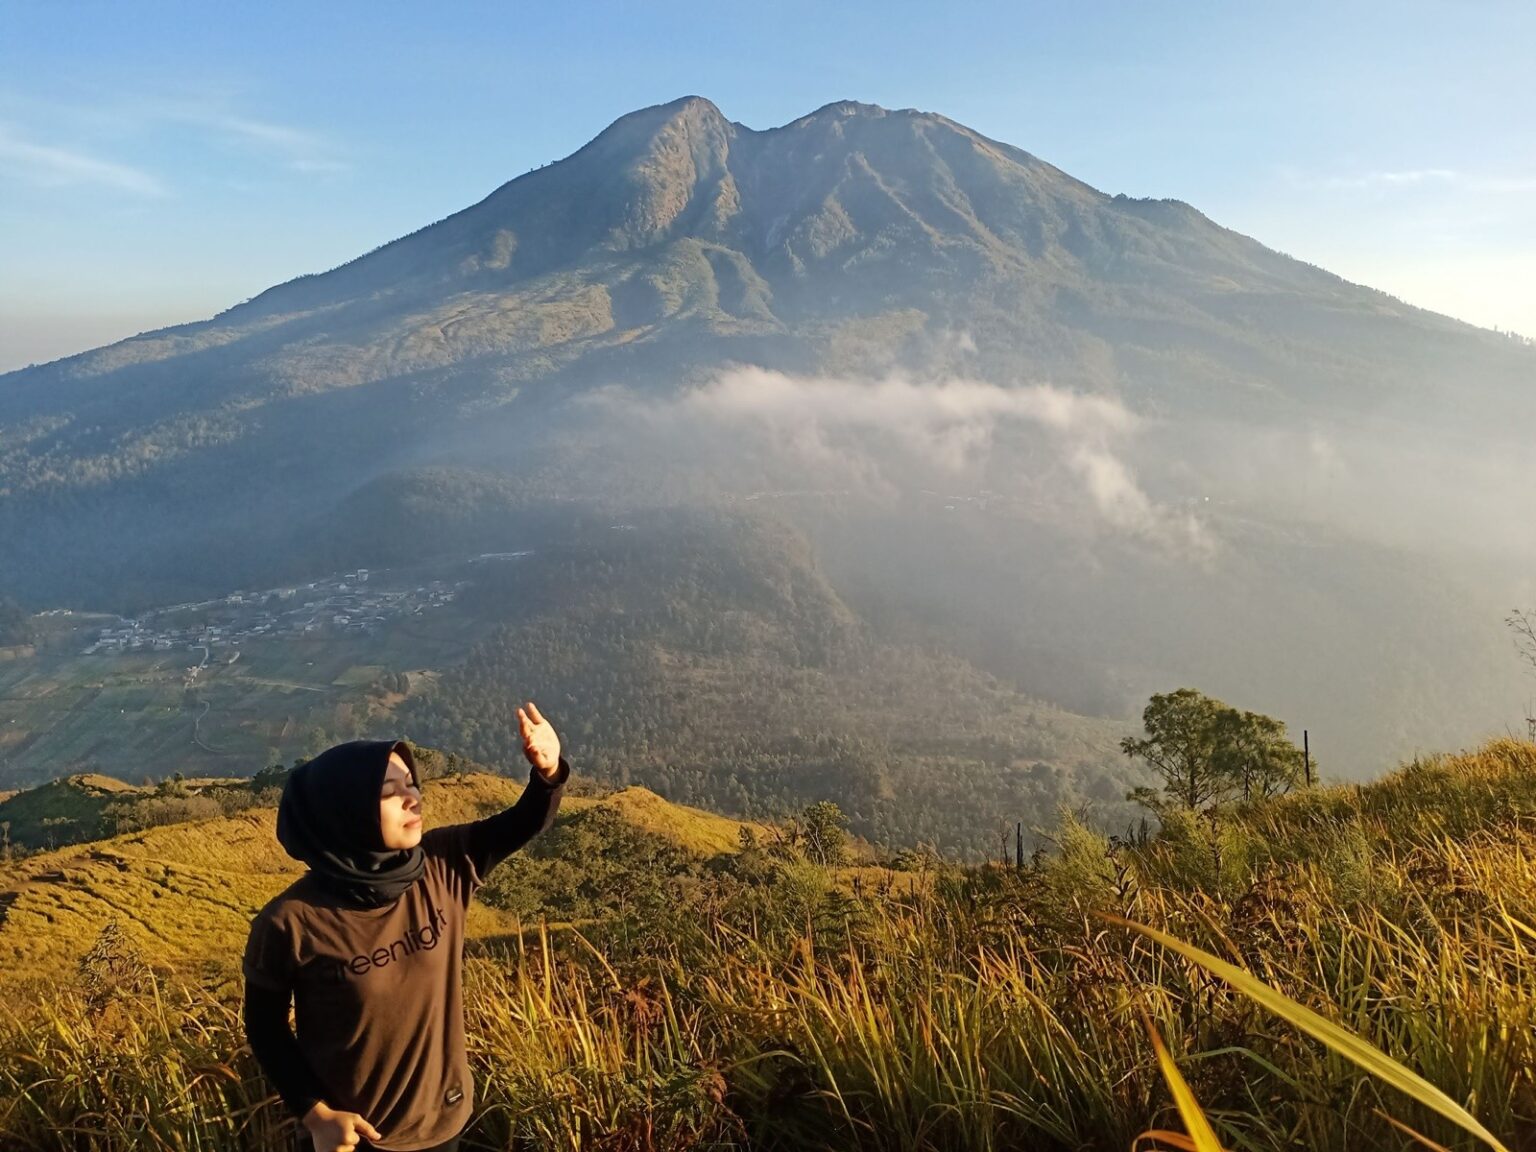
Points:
x=160 y=161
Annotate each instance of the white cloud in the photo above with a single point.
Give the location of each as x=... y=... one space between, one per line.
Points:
x=209 y=118
x=297 y=148
x=1417 y=178
x=300 y=149
x=880 y=432
x=320 y=167
x=49 y=166
x=1453 y=493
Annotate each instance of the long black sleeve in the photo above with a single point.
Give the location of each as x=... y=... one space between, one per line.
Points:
x=277 y=1050
x=490 y=841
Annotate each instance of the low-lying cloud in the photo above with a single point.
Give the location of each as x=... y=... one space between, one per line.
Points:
x=1065 y=449
x=1089 y=462
x=1395 y=483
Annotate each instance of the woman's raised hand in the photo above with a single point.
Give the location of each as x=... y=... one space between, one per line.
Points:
x=540 y=744
x=333 y=1131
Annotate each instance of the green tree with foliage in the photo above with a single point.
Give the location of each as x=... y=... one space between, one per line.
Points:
x=1181 y=745
x=823 y=831
x=1254 y=755
x=1209 y=753
x=273 y=776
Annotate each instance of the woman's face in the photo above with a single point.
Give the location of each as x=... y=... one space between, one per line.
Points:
x=399 y=806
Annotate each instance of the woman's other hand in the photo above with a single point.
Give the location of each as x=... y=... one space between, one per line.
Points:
x=540 y=744
x=335 y=1131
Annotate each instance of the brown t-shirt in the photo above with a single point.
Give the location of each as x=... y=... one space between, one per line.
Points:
x=378 y=1003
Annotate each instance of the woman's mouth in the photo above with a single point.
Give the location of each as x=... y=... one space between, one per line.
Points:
x=413 y=822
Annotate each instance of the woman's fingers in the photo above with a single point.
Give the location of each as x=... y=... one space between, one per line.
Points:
x=353 y=1129
x=533 y=710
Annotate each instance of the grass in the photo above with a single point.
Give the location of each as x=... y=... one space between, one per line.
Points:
x=988 y=1008
x=185 y=893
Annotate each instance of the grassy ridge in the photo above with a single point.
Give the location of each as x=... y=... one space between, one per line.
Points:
x=184 y=893
x=988 y=1008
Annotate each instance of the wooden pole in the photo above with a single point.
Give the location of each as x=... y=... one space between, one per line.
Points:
x=1018 y=841
x=1306 y=756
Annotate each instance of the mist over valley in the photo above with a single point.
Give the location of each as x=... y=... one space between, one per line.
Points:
x=865 y=414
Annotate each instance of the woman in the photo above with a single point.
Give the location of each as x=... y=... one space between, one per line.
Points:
x=369 y=945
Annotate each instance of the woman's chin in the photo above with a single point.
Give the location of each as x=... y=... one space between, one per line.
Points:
x=405 y=839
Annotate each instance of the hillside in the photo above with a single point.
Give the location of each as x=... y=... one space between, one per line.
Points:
x=702 y=655
x=184 y=893
x=854 y=240
x=1295 y=957
x=710 y=659
x=68 y=809
x=1088 y=445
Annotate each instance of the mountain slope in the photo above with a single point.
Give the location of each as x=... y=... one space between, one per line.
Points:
x=301 y=432
x=853 y=240
x=708 y=658
x=184 y=893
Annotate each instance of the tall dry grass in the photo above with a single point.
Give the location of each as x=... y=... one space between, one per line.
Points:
x=990 y=1009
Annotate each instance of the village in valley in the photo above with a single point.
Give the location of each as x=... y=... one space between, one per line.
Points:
x=346 y=604
x=249 y=678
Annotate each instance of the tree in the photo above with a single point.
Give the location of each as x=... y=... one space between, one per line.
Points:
x=1209 y=753
x=823 y=825
x=1523 y=624
x=1181 y=745
x=274 y=776
x=1253 y=754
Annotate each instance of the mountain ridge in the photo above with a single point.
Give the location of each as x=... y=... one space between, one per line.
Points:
x=665 y=173
x=185 y=891
x=853 y=244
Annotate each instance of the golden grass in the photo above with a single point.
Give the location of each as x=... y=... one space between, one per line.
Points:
x=1202 y=1137
x=700 y=832
x=185 y=893
x=994 y=1009
x=1340 y=1039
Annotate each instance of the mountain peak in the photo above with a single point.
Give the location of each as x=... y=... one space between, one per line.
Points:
x=836 y=111
x=847 y=108
x=640 y=126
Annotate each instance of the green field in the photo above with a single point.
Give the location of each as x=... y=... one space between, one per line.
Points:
x=131 y=714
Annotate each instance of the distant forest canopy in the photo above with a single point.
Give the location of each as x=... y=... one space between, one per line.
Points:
x=650 y=628
x=15 y=623
x=706 y=657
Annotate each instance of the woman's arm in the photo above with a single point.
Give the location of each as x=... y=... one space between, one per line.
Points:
x=277 y=1051
x=490 y=841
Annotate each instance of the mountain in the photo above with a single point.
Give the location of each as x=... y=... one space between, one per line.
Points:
x=1174 y=456
x=853 y=240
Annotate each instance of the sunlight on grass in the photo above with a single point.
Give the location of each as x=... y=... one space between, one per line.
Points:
x=768 y=1005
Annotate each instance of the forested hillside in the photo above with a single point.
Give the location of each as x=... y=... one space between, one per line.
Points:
x=705 y=657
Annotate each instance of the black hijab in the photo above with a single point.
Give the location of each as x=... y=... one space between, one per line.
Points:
x=329 y=818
